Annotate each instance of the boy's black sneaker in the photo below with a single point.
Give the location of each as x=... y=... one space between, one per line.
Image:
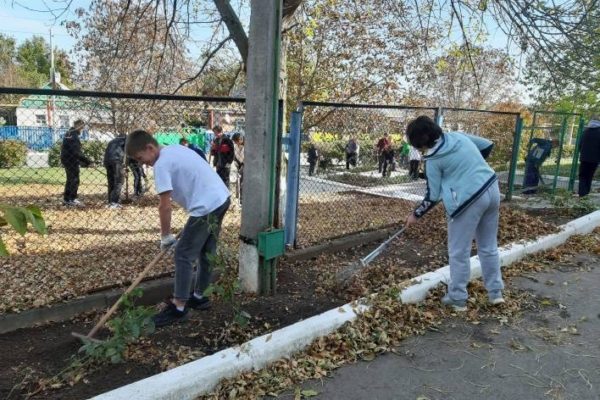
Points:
x=170 y=315
x=198 y=304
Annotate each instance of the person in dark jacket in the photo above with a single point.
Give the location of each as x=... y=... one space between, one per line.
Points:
x=589 y=155
x=192 y=146
x=381 y=143
x=313 y=158
x=72 y=159
x=539 y=151
x=139 y=176
x=222 y=153
x=388 y=160
x=351 y=150
x=114 y=157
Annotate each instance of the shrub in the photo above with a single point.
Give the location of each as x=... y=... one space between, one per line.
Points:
x=13 y=153
x=93 y=149
x=54 y=155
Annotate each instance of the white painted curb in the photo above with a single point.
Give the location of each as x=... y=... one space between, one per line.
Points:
x=508 y=255
x=201 y=376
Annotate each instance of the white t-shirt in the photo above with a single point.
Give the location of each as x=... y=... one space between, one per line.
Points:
x=414 y=154
x=194 y=184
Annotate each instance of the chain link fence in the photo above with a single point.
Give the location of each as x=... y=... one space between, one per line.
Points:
x=97 y=239
x=498 y=126
x=548 y=155
x=355 y=169
x=359 y=174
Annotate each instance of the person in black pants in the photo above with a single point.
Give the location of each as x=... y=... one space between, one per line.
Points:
x=589 y=155
x=222 y=153
x=351 y=150
x=539 y=151
x=138 y=176
x=113 y=162
x=388 y=160
x=313 y=158
x=72 y=158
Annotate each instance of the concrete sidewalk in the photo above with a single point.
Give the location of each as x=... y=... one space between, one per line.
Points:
x=551 y=352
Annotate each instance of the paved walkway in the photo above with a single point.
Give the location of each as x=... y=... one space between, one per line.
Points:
x=549 y=353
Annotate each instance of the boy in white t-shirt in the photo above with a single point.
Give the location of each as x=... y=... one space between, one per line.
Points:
x=182 y=175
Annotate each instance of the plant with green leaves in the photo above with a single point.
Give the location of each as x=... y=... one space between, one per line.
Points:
x=127 y=327
x=19 y=218
x=228 y=284
x=576 y=205
x=13 y=153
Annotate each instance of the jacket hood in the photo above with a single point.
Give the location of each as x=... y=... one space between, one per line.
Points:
x=594 y=124
x=447 y=144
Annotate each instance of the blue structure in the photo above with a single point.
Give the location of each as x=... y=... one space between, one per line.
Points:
x=36 y=138
x=293 y=178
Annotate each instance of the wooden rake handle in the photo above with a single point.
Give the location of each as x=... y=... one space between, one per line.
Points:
x=133 y=285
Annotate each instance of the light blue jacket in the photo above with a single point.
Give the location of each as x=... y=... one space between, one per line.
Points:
x=457 y=172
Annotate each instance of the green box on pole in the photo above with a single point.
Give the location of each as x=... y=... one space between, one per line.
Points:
x=271 y=244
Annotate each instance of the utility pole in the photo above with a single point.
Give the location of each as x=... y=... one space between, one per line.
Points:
x=259 y=244
x=52 y=73
x=53 y=85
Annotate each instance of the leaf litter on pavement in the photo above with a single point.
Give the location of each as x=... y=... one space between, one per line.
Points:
x=383 y=327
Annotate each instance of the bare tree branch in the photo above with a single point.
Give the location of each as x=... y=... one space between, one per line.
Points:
x=236 y=30
x=203 y=67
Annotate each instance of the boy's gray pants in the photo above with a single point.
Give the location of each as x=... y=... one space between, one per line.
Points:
x=198 y=241
x=478 y=221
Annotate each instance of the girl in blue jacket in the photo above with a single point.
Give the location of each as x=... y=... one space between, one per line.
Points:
x=458 y=175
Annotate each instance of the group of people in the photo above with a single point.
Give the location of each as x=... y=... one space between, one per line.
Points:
x=73 y=158
x=456 y=172
x=224 y=151
x=386 y=157
x=409 y=156
x=539 y=149
x=457 y=175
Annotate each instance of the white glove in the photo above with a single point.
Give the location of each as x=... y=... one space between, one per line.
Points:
x=167 y=241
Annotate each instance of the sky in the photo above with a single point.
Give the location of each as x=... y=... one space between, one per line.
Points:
x=22 y=24
x=20 y=20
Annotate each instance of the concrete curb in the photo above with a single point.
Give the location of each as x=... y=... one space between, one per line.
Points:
x=154 y=291
x=508 y=254
x=339 y=244
x=201 y=376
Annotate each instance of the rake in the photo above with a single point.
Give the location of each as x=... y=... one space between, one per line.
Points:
x=344 y=276
x=111 y=311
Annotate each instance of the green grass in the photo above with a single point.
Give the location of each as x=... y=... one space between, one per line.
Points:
x=47 y=176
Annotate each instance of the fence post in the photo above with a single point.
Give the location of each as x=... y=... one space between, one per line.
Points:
x=514 y=159
x=293 y=178
x=575 y=159
x=439 y=116
x=563 y=130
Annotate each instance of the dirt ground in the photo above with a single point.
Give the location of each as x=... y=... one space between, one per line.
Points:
x=96 y=248
x=304 y=289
